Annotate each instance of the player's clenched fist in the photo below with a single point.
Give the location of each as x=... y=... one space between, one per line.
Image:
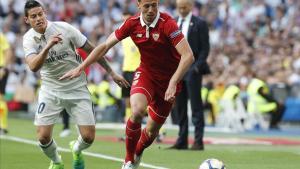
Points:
x=170 y=92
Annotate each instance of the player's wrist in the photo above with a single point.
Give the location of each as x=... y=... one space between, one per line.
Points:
x=48 y=46
x=111 y=73
x=81 y=67
x=174 y=82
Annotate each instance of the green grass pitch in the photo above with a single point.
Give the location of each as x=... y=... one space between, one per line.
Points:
x=18 y=155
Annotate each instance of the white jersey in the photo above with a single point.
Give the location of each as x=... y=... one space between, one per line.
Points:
x=61 y=58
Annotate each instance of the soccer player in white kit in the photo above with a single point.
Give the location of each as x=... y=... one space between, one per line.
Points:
x=50 y=48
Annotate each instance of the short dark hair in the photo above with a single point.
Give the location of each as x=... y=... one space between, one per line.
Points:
x=31 y=4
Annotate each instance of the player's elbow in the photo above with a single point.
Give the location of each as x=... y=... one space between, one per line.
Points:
x=34 y=68
x=191 y=57
x=101 y=50
x=32 y=63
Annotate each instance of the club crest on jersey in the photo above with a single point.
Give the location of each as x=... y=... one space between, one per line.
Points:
x=36 y=39
x=155 y=36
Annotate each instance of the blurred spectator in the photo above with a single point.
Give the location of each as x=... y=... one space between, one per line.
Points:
x=110 y=105
x=244 y=35
x=260 y=101
x=5 y=56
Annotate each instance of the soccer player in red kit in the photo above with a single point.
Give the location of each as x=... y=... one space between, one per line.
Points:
x=165 y=58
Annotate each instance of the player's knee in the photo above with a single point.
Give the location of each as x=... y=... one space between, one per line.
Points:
x=44 y=140
x=138 y=111
x=137 y=108
x=88 y=138
x=137 y=117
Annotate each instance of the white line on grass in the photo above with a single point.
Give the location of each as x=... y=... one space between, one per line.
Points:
x=22 y=140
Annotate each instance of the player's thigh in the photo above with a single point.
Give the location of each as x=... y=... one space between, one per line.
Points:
x=142 y=92
x=142 y=84
x=48 y=110
x=138 y=102
x=80 y=107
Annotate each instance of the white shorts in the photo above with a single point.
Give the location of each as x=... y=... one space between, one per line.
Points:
x=76 y=102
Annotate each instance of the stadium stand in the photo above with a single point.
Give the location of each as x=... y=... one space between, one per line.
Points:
x=260 y=36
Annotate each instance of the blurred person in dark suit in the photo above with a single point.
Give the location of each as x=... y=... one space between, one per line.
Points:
x=195 y=29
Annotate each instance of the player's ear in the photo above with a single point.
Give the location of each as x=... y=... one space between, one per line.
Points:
x=26 y=20
x=45 y=13
x=138 y=3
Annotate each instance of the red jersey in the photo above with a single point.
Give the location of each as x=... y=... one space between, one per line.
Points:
x=83 y=55
x=156 y=43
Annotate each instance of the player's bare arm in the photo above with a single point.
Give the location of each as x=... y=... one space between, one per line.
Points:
x=97 y=55
x=187 y=58
x=36 y=61
x=89 y=47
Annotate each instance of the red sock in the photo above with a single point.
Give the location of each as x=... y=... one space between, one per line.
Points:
x=133 y=134
x=144 y=142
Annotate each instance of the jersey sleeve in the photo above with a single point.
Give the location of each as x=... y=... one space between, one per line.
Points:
x=123 y=31
x=77 y=38
x=173 y=33
x=29 y=46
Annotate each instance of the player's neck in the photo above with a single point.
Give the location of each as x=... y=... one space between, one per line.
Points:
x=148 y=23
x=42 y=30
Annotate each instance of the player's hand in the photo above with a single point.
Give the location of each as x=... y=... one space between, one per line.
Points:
x=55 y=39
x=119 y=80
x=72 y=74
x=170 y=93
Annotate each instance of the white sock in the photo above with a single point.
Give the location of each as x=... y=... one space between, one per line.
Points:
x=50 y=150
x=80 y=145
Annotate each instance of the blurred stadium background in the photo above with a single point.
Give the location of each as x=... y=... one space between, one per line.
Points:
x=246 y=37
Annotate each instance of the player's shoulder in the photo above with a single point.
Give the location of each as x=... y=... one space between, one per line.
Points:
x=131 y=22
x=164 y=17
x=134 y=18
x=60 y=24
x=30 y=33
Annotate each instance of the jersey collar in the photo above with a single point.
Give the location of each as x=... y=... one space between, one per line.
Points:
x=153 y=24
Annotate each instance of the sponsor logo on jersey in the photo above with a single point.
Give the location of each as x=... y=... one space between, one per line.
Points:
x=53 y=56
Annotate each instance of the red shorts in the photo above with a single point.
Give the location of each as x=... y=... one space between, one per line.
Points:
x=158 y=108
